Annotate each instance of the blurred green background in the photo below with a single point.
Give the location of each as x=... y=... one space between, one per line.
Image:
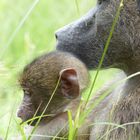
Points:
x=27 y=30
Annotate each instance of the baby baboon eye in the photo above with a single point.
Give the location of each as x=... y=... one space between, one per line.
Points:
x=26 y=92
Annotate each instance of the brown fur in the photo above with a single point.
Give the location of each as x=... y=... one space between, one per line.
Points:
x=38 y=81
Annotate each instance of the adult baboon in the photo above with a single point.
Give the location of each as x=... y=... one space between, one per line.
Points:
x=86 y=39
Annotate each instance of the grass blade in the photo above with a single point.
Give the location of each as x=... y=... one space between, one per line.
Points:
x=21 y=23
x=6 y=136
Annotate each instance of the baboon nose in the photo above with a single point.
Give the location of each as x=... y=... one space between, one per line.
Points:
x=62 y=33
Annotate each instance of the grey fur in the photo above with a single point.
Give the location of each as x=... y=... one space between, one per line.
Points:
x=87 y=36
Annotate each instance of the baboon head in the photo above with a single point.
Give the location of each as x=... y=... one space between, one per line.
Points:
x=39 y=79
x=86 y=37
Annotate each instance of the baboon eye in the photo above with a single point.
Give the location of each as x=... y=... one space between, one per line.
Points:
x=26 y=92
x=100 y=1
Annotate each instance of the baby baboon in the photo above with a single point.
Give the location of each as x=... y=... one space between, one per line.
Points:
x=38 y=82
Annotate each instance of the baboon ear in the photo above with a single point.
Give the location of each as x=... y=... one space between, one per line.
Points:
x=69 y=85
x=138 y=3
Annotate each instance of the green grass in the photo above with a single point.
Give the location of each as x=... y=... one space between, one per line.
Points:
x=24 y=35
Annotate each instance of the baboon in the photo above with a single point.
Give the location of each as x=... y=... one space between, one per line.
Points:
x=38 y=81
x=86 y=39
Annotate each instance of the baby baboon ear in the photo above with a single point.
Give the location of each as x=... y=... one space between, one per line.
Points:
x=69 y=85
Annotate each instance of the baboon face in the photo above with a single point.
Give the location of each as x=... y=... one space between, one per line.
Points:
x=33 y=104
x=42 y=95
x=86 y=37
